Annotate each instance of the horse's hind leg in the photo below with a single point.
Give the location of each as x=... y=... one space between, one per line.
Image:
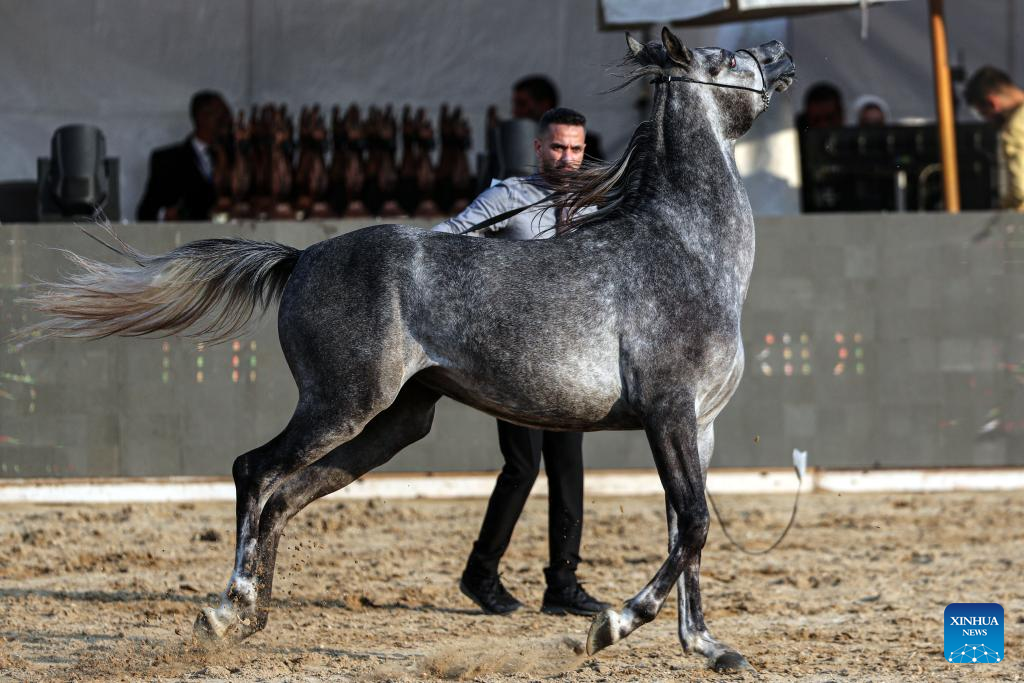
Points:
x=317 y=427
x=405 y=422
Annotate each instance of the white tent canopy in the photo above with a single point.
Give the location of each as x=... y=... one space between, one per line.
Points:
x=627 y=13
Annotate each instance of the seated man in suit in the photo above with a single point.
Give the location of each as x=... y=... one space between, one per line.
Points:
x=180 y=184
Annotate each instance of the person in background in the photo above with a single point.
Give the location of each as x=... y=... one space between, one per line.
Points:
x=180 y=182
x=823 y=107
x=559 y=147
x=534 y=95
x=870 y=110
x=998 y=100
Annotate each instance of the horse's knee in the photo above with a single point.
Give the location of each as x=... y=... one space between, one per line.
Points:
x=693 y=529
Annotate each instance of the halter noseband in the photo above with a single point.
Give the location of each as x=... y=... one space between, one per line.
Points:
x=763 y=91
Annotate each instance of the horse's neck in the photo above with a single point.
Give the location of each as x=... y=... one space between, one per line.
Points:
x=698 y=167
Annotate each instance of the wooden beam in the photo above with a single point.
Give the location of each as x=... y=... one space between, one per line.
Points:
x=944 y=108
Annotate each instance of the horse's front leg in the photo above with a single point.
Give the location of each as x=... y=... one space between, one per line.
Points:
x=682 y=456
x=693 y=632
x=672 y=433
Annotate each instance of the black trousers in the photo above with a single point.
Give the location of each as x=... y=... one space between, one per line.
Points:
x=522 y=448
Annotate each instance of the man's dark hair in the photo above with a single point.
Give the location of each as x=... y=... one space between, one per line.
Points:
x=983 y=82
x=563 y=115
x=538 y=87
x=201 y=100
x=823 y=92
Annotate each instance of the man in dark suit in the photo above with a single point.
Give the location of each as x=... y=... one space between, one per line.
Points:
x=180 y=183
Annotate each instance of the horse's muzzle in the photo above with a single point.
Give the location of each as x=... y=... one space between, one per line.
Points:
x=779 y=69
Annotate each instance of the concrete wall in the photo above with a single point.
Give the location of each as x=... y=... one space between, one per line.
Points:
x=870 y=340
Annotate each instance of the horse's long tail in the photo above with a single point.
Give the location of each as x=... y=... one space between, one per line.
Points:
x=208 y=289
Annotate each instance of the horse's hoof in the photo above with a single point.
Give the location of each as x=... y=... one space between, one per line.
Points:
x=730 y=661
x=603 y=631
x=208 y=628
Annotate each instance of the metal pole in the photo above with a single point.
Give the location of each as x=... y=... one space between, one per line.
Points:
x=944 y=108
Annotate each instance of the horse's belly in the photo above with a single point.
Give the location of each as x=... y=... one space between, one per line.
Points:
x=570 y=394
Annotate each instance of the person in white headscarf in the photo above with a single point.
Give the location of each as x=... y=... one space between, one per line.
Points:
x=871 y=110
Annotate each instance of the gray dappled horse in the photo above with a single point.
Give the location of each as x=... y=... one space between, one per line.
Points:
x=630 y=320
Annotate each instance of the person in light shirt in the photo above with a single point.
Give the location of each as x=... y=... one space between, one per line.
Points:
x=998 y=100
x=559 y=146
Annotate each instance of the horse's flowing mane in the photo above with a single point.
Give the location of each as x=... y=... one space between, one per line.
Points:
x=605 y=184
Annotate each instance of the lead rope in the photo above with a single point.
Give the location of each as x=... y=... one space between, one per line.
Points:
x=800 y=465
x=507 y=214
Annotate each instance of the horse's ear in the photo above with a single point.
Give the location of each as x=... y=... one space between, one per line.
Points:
x=677 y=52
x=636 y=48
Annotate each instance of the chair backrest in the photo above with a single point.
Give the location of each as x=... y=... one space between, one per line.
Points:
x=78 y=179
x=514 y=148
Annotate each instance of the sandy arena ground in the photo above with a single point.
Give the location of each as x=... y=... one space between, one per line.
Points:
x=366 y=591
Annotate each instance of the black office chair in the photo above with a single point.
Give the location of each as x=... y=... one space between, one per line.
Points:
x=78 y=178
x=509 y=152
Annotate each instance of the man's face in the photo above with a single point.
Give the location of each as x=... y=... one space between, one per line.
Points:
x=871 y=115
x=213 y=122
x=995 y=107
x=524 y=106
x=824 y=114
x=560 y=147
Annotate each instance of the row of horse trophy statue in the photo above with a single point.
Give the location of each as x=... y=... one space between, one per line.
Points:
x=268 y=175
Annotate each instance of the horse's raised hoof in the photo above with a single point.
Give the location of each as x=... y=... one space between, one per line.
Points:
x=604 y=631
x=731 y=661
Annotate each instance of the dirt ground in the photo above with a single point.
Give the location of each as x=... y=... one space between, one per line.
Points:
x=366 y=591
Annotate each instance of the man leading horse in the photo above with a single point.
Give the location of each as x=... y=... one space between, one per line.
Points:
x=559 y=147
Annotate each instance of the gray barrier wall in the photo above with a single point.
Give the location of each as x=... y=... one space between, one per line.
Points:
x=888 y=340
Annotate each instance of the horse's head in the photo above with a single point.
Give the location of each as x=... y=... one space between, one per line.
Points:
x=735 y=87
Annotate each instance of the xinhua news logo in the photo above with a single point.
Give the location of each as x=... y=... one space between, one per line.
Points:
x=973 y=633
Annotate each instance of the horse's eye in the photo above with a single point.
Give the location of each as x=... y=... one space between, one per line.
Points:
x=732 y=62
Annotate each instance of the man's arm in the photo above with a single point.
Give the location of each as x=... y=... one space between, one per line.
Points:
x=491 y=202
x=1013 y=149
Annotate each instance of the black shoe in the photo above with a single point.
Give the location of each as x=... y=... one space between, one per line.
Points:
x=489 y=594
x=571 y=599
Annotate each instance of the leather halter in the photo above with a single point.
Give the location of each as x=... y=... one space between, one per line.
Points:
x=762 y=91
